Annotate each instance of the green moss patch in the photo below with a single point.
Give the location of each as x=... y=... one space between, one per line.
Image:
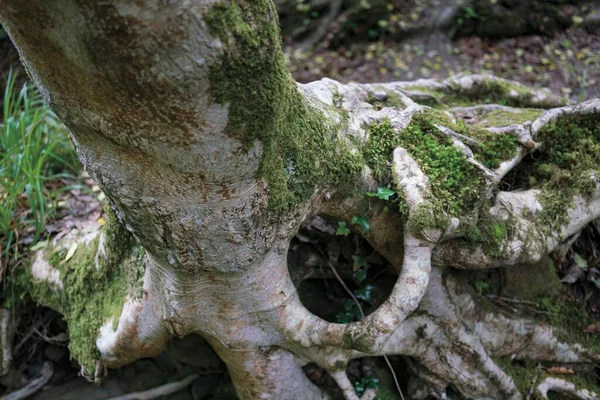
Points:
x=456 y=185
x=565 y=164
x=392 y=99
x=526 y=373
x=95 y=287
x=505 y=118
x=501 y=92
x=301 y=147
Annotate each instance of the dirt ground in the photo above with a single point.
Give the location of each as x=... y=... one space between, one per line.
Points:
x=567 y=63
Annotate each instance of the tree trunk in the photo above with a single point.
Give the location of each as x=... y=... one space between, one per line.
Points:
x=212 y=156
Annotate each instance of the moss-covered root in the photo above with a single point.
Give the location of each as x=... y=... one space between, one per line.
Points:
x=7 y=332
x=479 y=352
x=94 y=277
x=565 y=387
x=476 y=89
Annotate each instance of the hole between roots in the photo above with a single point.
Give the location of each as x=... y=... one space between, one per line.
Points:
x=315 y=250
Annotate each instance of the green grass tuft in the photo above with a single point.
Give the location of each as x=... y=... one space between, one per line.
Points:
x=34 y=150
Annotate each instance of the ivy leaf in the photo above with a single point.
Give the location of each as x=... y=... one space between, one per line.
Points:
x=360 y=262
x=362 y=221
x=372 y=383
x=342 y=229
x=480 y=286
x=580 y=261
x=365 y=294
x=382 y=193
x=360 y=274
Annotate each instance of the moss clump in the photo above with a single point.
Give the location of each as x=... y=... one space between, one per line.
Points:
x=379 y=149
x=392 y=99
x=456 y=185
x=571 y=318
x=491 y=149
x=95 y=281
x=491 y=234
x=569 y=158
x=428 y=216
x=301 y=147
x=523 y=373
x=488 y=91
x=526 y=373
x=505 y=118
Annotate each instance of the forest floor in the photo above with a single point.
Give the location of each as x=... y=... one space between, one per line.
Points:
x=567 y=63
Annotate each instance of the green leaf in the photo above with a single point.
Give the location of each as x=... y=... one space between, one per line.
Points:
x=342 y=229
x=71 y=252
x=372 y=383
x=365 y=294
x=580 y=261
x=480 y=286
x=382 y=193
x=362 y=221
x=360 y=274
x=39 y=245
x=360 y=262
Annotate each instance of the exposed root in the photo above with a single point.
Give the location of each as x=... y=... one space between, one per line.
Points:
x=163 y=390
x=34 y=385
x=7 y=332
x=479 y=87
x=528 y=241
x=345 y=385
x=562 y=386
x=255 y=321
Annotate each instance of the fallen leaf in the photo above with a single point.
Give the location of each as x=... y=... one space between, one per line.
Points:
x=71 y=252
x=560 y=371
x=580 y=261
x=39 y=245
x=594 y=328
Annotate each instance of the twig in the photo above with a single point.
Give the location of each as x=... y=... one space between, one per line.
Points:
x=30 y=333
x=535 y=379
x=158 y=391
x=339 y=278
x=512 y=300
x=363 y=316
x=334 y=10
x=34 y=385
x=387 y=360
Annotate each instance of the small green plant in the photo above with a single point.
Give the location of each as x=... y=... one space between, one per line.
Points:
x=382 y=193
x=342 y=229
x=364 y=384
x=363 y=222
x=360 y=268
x=34 y=150
x=481 y=286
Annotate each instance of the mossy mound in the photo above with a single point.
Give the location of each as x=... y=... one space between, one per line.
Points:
x=96 y=280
